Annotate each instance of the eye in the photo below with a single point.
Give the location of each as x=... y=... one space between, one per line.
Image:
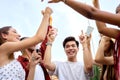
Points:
x=14 y=31
x=117 y=12
x=73 y=45
x=67 y=46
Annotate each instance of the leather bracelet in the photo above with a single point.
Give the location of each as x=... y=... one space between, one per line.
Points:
x=48 y=43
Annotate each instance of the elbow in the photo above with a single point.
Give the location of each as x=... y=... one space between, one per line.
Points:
x=100 y=31
x=46 y=65
x=40 y=37
x=97 y=60
x=91 y=13
x=89 y=67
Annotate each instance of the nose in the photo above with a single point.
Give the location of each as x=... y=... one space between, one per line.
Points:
x=19 y=35
x=70 y=47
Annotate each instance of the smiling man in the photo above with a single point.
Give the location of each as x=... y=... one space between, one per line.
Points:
x=71 y=69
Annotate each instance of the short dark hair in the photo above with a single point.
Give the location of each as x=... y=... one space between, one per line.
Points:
x=70 y=38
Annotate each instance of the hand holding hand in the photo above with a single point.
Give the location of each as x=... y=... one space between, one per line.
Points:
x=48 y=10
x=52 y=34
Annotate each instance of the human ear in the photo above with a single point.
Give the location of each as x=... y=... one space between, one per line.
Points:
x=4 y=36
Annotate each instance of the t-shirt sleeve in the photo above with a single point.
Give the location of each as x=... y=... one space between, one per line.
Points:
x=56 y=69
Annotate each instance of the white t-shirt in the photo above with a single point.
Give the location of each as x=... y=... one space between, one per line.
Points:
x=12 y=71
x=39 y=74
x=70 y=71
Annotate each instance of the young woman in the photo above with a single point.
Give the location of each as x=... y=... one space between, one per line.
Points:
x=104 y=56
x=11 y=69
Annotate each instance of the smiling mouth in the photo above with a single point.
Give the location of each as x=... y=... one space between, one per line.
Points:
x=72 y=52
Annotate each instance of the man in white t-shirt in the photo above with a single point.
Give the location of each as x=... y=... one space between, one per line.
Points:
x=71 y=69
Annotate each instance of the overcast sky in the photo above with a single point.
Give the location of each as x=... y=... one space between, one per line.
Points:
x=25 y=16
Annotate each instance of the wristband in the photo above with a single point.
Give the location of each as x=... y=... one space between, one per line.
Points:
x=48 y=43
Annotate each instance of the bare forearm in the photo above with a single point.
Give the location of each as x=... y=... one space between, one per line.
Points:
x=93 y=13
x=87 y=57
x=100 y=54
x=47 y=58
x=82 y=8
x=42 y=31
x=100 y=25
x=31 y=73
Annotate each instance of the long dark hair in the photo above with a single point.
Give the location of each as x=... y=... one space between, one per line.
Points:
x=110 y=68
x=3 y=30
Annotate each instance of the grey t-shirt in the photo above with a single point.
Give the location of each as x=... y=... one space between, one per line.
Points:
x=70 y=71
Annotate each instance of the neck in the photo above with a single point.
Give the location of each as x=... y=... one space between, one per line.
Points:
x=72 y=59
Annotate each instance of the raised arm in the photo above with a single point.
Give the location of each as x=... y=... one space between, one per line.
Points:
x=91 y=12
x=101 y=26
x=87 y=56
x=47 y=56
x=100 y=55
x=37 y=38
x=34 y=60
